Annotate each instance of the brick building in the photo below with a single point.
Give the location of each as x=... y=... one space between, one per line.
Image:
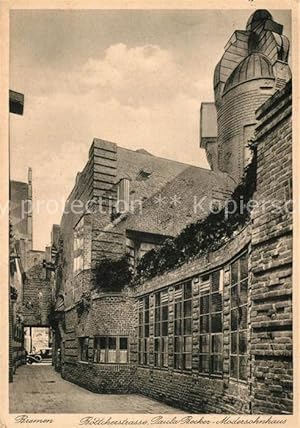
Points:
x=30 y=279
x=15 y=287
x=189 y=306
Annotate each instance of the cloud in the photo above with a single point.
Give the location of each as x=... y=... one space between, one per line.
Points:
x=138 y=97
x=135 y=76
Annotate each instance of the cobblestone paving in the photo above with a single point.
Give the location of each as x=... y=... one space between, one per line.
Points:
x=39 y=389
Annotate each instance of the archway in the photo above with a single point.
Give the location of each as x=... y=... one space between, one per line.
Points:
x=38 y=340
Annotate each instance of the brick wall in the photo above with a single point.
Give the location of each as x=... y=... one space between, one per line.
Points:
x=95 y=181
x=271 y=260
x=110 y=314
x=106 y=242
x=236 y=111
x=37 y=296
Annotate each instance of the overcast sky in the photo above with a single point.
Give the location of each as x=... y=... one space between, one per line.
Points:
x=136 y=78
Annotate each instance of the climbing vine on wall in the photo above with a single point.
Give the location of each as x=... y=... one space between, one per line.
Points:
x=113 y=275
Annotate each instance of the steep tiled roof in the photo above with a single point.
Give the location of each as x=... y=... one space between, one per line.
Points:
x=147 y=173
x=174 y=206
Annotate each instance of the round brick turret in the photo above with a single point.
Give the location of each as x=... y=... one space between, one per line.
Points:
x=250 y=84
x=253 y=66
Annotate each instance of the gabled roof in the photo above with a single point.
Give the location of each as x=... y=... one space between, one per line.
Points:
x=182 y=201
x=147 y=173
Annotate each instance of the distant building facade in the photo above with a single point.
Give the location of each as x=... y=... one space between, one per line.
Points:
x=208 y=331
x=29 y=276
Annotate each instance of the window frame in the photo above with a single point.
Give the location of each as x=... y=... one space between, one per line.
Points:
x=144 y=331
x=210 y=354
x=106 y=349
x=244 y=331
x=181 y=339
x=161 y=340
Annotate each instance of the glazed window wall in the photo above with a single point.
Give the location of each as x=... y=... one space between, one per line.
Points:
x=211 y=324
x=144 y=325
x=182 y=341
x=110 y=350
x=172 y=311
x=239 y=318
x=161 y=325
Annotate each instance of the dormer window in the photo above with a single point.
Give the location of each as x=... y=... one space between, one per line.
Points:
x=144 y=173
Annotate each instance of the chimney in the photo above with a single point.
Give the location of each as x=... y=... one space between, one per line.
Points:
x=123 y=195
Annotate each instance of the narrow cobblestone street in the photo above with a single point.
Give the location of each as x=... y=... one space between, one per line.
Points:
x=39 y=389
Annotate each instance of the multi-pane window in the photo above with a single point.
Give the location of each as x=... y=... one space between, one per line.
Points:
x=161 y=325
x=144 y=322
x=78 y=246
x=137 y=249
x=83 y=348
x=239 y=318
x=110 y=350
x=183 y=326
x=211 y=324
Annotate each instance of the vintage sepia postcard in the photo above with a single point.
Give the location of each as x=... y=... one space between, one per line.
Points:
x=148 y=202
